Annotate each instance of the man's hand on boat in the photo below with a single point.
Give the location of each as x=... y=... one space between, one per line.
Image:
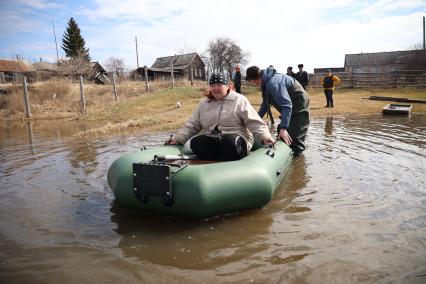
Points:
x=284 y=136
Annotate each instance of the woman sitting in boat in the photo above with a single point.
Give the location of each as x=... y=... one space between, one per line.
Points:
x=225 y=122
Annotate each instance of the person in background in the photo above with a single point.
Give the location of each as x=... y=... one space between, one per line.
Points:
x=237 y=79
x=225 y=122
x=328 y=82
x=289 y=98
x=290 y=72
x=302 y=77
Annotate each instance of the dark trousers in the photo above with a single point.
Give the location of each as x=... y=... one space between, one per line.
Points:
x=299 y=122
x=329 y=97
x=298 y=128
x=238 y=89
x=224 y=148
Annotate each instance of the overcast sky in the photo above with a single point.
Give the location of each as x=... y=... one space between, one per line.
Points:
x=282 y=33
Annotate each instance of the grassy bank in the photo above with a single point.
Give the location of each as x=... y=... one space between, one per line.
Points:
x=157 y=110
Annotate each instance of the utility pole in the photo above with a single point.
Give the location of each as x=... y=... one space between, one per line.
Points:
x=424 y=44
x=172 y=73
x=56 y=43
x=137 y=56
x=424 y=40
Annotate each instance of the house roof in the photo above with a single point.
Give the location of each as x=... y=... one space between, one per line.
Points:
x=98 y=66
x=46 y=66
x=14 y=66
x=85 y=68
x=382 y=58
x=182 y=61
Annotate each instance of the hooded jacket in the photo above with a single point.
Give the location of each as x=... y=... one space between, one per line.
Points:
x=284 y=93
x=232 y=115
x=274 y=89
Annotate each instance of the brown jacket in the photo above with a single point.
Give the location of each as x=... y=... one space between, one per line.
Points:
x=233 y=114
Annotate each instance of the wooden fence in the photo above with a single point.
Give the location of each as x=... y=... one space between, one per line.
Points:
x=398 y=79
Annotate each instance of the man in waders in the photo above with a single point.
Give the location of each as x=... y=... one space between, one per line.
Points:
x=237 y=80
x=328 y=83
x=289 y=98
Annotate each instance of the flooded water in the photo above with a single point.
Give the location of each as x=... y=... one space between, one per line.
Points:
x=351 y=209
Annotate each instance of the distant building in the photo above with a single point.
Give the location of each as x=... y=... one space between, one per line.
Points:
x=183 y=64
x=10 y=70
x=89 y=70
x=45 y=70
x=332 y=69
x=382 y=62
x=393 y=69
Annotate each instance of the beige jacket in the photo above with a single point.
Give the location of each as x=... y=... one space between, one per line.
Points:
x=233 y=114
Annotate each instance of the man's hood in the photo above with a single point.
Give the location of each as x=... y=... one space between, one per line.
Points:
x=267 y=74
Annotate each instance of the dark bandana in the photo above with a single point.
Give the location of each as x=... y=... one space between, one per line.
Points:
x=218 y=79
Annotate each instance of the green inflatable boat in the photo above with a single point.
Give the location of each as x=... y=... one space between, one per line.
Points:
x=170 y=181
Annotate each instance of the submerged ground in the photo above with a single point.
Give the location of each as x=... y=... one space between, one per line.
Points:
x=157 y=110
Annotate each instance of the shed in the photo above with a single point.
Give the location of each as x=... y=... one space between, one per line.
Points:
x=11 y=69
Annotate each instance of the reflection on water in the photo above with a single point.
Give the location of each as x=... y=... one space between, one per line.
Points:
x=351 y=209
x=328 y=129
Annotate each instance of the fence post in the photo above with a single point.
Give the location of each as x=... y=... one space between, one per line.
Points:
x=172 y=74
x=192 y=76
x=145 y=69
x=115 y=88
x=26 y=99
x=82 y=100
x=30 y=136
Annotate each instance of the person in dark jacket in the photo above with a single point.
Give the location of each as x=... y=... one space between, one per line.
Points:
x=289 y=98
x=290 y=72
x=302 y=77
x=328 y=83
x=237 y=79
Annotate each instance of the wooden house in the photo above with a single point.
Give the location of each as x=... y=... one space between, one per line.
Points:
x=45 y=70
x=89 y=70
x=183 y=65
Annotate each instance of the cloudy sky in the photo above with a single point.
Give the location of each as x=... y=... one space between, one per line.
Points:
x=278 y=32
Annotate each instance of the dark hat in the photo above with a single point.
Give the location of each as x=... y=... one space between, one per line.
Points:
x=218 y=78
x=290 y=67
x=300 y=65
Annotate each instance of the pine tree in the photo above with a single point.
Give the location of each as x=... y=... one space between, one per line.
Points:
x=73 y=43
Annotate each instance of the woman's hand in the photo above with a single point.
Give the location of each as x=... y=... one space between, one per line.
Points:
x=172 y=141
x=285 y=136
x=267 y=141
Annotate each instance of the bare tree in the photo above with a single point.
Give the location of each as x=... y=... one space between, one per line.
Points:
x=184 y=49
x=225 y=55
x=77 y=65
x=116 y=65
x=417 y=46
